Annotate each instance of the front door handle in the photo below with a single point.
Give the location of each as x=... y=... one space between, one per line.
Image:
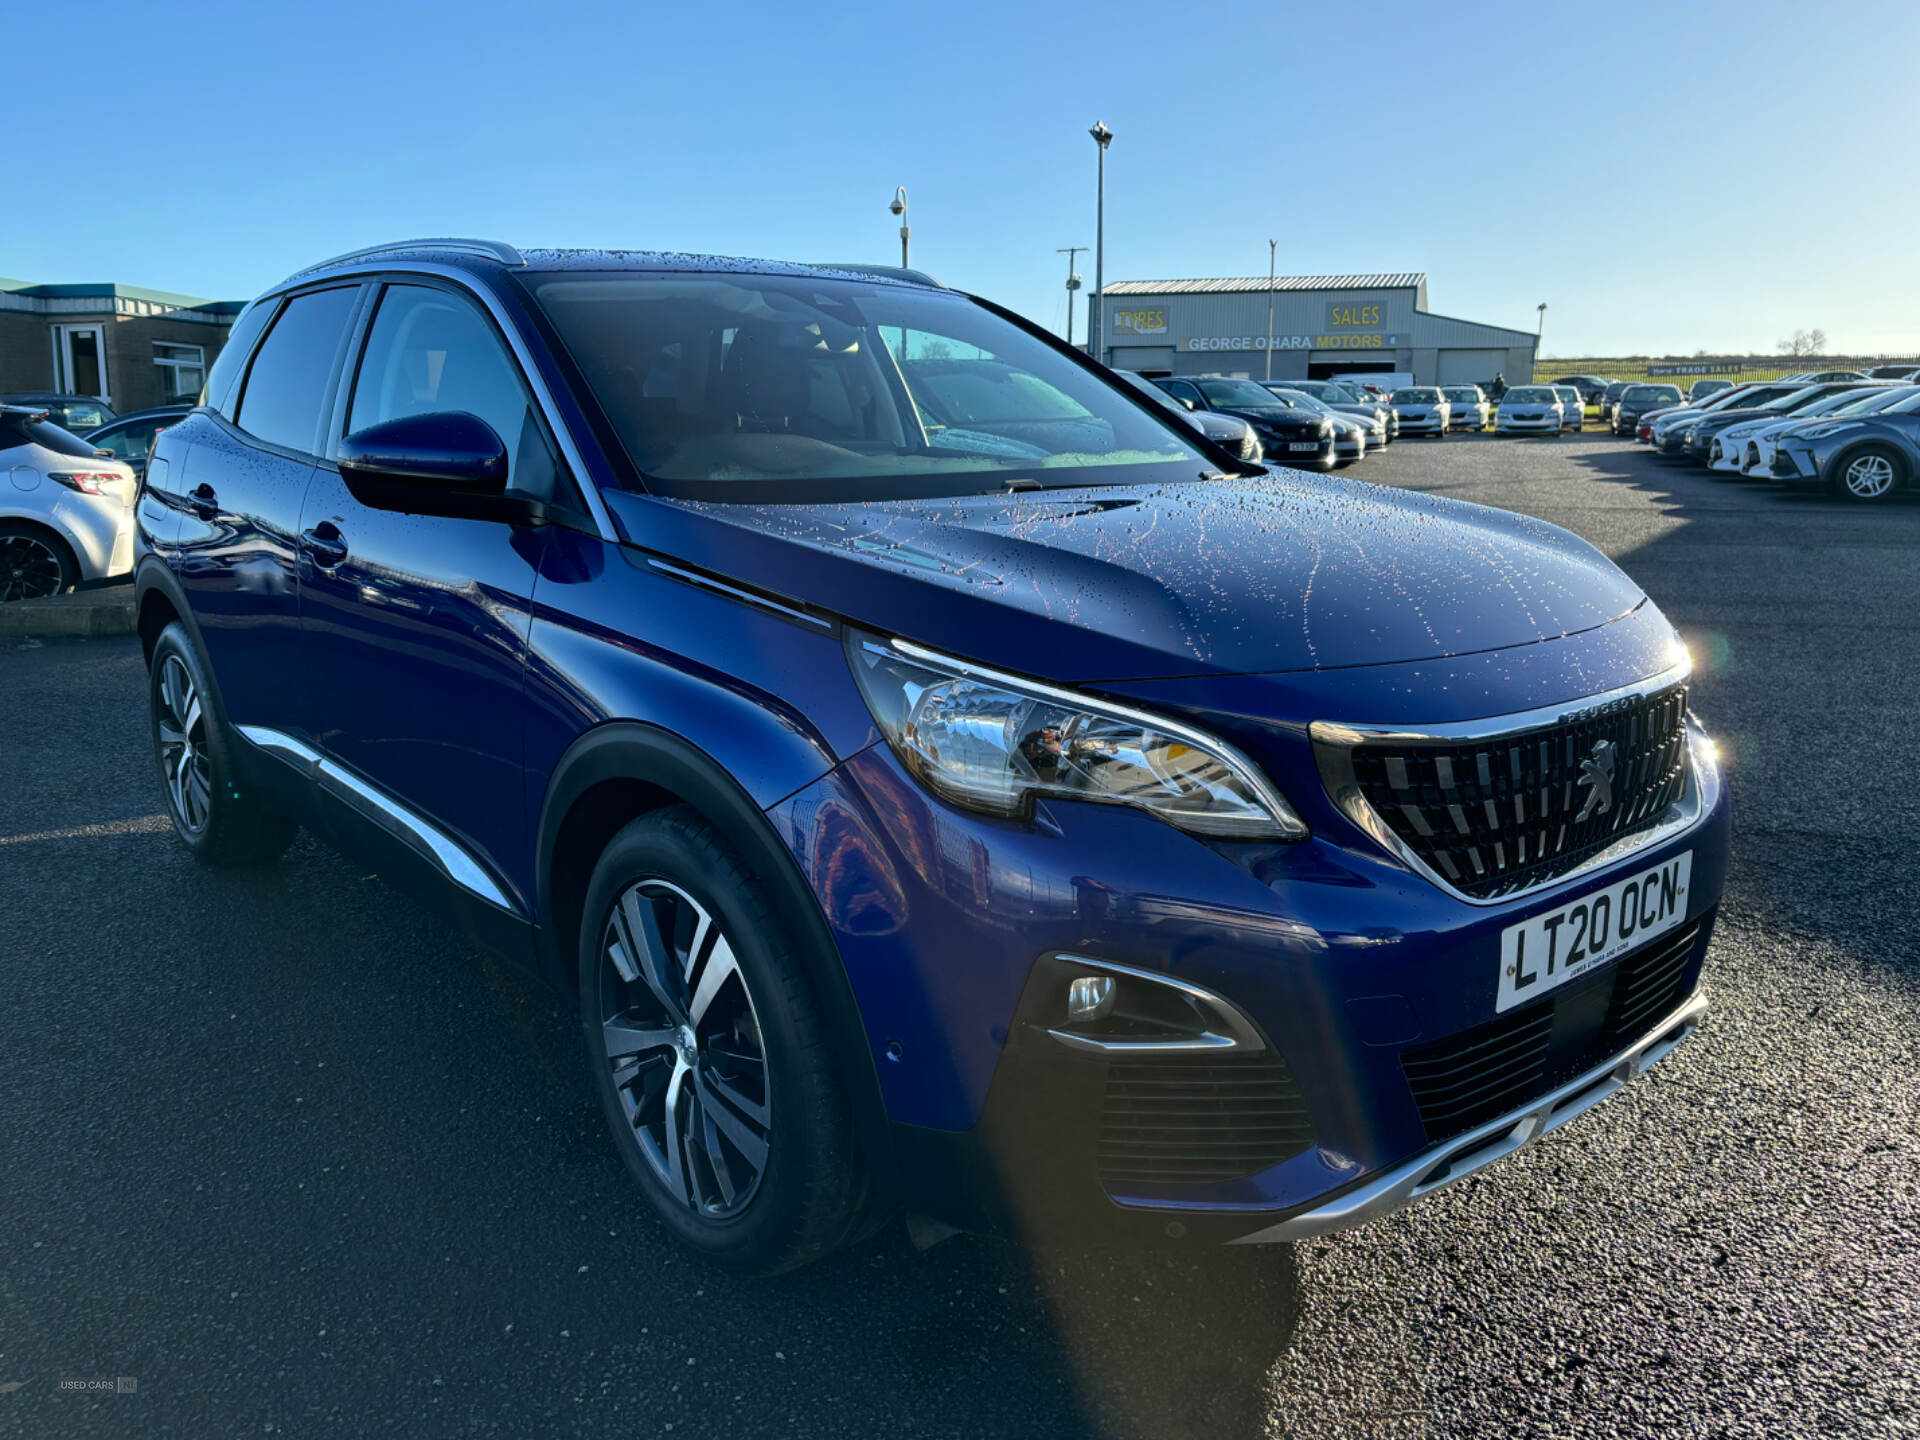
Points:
x=325 y=544
x=205 y=503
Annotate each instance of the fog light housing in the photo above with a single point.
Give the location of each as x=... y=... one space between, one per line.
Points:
x=1089 y=997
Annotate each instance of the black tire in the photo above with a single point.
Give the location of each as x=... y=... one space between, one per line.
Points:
x=809 y=1194
x=224 y=824
x=35 y=563
x=1850 y=472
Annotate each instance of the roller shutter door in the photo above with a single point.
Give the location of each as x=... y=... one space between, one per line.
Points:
x=1470 y=367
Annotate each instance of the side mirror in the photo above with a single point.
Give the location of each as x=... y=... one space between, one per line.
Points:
x=448 y=463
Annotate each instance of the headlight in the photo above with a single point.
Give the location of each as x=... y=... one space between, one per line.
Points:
x=1820 y=432
x=992 y=742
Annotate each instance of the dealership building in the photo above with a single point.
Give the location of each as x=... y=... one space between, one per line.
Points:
x=1323 y=326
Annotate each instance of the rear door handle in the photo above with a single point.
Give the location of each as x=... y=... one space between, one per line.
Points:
x=325 y=544
x=205 y=503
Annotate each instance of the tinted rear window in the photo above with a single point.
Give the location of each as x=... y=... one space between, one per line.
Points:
x=287 y=386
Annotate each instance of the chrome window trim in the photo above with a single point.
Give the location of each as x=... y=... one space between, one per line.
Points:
x=452 y=859
x=362 y=270
x=1240 y=1034
x=1335 y=741
x=1439 y=1166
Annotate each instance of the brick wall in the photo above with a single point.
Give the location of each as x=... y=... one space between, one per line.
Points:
x=134 y=382
x=26 y=353
x=137 y=383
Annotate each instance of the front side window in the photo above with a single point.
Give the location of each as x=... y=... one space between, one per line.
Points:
x=129 y=442
x=430 y=350
x=183 y=369
x=286 y=388
x=771 y=387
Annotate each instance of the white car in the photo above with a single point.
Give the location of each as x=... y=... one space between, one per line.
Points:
x=1423 y=410
x=1530 y=410
x=66 y=513
x=1573 y=408
x=1762 y=440
x=1469 y=406
x=1726 y=450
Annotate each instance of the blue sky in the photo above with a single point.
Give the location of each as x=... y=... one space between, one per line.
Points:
x=1666 y=177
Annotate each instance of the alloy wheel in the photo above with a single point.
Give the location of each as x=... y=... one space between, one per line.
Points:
x=29 y=570
x=1869 y=477
x=183 y=747
x=686 y=1050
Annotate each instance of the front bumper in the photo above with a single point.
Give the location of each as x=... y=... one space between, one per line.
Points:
x=1545 y=425
x=1430 y=424
x=1439 y=1166
x=1342 y=959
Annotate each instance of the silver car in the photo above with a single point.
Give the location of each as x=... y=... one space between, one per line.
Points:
x=1469 y=406
x=1348 y=400
x=66 y=513
x=1350 y=432
x=1423 y=410
x=1530 y=410
x=1573 y=407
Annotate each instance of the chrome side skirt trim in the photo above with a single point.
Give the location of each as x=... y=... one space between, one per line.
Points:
x=1441 y=1165
x=451 y=858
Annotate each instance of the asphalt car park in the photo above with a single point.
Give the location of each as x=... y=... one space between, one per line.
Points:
x=284 y=1151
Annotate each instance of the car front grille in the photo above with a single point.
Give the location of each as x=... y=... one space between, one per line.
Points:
x=1477 y=1075
x=1192 y=1119
x=1497 y=816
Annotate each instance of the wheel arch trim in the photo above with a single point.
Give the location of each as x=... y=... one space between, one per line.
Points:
x=637 y=753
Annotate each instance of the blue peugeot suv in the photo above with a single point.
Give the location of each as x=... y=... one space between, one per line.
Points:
x=946 y=781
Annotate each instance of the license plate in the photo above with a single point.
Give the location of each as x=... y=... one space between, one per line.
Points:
x=1304 y=445
x=1547 y=951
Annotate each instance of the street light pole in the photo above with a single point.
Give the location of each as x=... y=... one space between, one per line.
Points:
x=899 y=207
x=1271 y=244
x=1539 y=330
x=1073 y=283
x=1102 y=137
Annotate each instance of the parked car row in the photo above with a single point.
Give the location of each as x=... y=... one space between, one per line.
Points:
x=66 y=513
x=1857 y=438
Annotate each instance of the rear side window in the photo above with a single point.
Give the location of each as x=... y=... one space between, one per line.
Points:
x=223 y=380
x=130 y=442
x=287 y=385
x=429 y=351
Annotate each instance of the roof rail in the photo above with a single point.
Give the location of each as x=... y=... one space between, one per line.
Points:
x=492 y=249
x=891 y=272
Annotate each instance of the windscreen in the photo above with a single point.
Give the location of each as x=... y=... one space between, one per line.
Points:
x=1651 y=394
x=1463 y=397
x=1416 y=396
x=1531 y=395
x=768 y=387
x=1242 y=394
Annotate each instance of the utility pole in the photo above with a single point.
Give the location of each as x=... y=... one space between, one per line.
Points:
x=1102 y=137
x=1073 y=283
x=1538 y=330
x=1271 y=251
